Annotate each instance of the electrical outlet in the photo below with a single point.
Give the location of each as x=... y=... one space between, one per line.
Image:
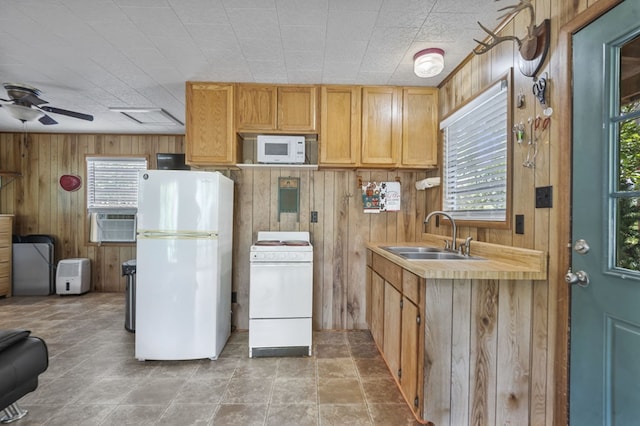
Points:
x=314 y=217
x=544 y=197
x=519 y=224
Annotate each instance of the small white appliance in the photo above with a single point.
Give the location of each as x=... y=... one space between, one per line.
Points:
x=183 y=264
x=73 y=276
x=274 y=149
x=280 y=294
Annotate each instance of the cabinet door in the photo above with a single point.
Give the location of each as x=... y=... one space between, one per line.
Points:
x=381 y=126
x=340 y=111
x=392 y=328
x=420 y=127
x=297 y=108
x=410 y=357
x=377 y=308
x=256 y=107
x=6 y=228
x=210 y=136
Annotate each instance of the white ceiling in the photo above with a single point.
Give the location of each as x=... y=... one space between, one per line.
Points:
x=89 y=55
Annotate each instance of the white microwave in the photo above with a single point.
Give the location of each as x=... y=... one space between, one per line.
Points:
x=275 y=149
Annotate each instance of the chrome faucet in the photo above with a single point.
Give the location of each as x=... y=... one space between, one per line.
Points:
x=453 y=225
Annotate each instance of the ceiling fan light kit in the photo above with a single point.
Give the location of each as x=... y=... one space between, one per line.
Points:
x=24 y=104
x=428 y=62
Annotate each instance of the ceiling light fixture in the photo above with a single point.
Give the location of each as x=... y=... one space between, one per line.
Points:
x=23 y=113
x=152 y=116
x=428 y=62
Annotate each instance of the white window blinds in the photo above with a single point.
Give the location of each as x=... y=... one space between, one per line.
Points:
x=475 y=157
x=112 y=182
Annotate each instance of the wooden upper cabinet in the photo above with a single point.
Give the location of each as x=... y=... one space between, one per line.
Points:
x=268 y=108
x=381 y=126
x=297 y=108
x=257 y=107
x=420 y=127
x=210 y=133
x=340 y=124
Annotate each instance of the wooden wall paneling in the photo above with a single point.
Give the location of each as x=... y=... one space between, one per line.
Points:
x=304 y=223
x=288 y=221
x=513 y=354
x=484 y=335
x=328 y=249
x=261 y=209
x=437 y=351
x=541 y=357
x=317 y=183
x=272 y=205
x=340 y=242
x=460 y=352
x=356 y=252
x=243 y=238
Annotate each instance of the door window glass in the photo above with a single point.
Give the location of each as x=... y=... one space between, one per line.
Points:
x=626 y=134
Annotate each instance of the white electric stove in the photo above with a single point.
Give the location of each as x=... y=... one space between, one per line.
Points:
x=280 y=294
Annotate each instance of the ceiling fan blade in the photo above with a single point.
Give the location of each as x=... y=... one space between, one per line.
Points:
x=73 y=114
x=46 y=120
x=30 y=99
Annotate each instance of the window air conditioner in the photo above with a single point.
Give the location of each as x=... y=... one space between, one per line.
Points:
x=113 y=227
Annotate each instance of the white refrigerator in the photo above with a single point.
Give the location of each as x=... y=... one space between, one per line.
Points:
x=183 y=273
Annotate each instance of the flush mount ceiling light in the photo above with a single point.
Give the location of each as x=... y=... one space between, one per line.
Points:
x=152 y=116
x=428 y=62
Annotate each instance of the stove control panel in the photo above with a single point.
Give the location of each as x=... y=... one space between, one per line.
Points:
x=282 y=256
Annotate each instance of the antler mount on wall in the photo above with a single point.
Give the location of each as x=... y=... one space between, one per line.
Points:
x=533 y=47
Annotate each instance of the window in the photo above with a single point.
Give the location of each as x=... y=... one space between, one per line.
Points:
x=475 y=168
x=112 y=197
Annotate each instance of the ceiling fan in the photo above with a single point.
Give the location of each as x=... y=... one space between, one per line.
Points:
x=25 y=105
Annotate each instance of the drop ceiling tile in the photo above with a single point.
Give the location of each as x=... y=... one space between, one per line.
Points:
x=303 y=60
x=374 y=78
x=404 y=13
x=350 y=25
x=92 y=11
x=302 y=12
x=384 y=64
x=200 y=12
x=214 y=37
x=262 y=49
x=304 y=76
x=391 y=40
x=340 y=72
x=123 y=35
x=300 y=37
x=249 y=4
x=254 y=23
x=345 y=50
x=358 y=5
x=268 y=72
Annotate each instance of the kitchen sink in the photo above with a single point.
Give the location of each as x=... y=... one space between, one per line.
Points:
x=428 y=253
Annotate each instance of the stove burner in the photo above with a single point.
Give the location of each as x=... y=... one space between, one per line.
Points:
x=296 y=243
x=269 y=243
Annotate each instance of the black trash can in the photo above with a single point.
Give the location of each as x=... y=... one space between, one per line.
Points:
x=129 y=270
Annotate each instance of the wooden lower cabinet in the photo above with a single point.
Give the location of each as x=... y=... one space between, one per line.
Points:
x=396 y=324
x=6 y=229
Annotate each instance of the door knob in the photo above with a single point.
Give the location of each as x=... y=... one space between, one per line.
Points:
x=581 y=246
x=579 y=277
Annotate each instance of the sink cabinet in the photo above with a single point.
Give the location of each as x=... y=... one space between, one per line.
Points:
x=395 y=320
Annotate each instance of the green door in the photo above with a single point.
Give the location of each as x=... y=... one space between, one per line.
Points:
x=605 y=313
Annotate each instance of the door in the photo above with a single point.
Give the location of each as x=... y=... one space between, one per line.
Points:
x=605 y=313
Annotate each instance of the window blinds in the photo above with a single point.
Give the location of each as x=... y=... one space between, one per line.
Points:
x=112 y=182
x=475 y=156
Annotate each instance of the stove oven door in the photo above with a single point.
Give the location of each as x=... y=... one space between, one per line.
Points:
x=280 y=307
x=281 y=290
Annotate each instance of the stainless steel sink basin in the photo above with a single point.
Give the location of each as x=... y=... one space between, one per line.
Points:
x=409 y=249
x=428 y=253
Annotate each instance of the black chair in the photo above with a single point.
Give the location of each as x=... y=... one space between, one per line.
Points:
x=22 y=359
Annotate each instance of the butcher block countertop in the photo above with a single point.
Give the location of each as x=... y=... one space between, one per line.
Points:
x=500 y=262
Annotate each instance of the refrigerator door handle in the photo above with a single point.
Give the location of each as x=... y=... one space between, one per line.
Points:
x=174 y=235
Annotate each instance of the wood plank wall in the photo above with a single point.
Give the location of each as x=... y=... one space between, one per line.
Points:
x=42 y=207
x=544 y=301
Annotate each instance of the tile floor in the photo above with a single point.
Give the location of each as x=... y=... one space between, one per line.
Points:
x=93 y=378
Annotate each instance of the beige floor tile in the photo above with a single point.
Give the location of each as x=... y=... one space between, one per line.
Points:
x=344 y=415
x=240 y=415
x=292 y=415
x=340 y=391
